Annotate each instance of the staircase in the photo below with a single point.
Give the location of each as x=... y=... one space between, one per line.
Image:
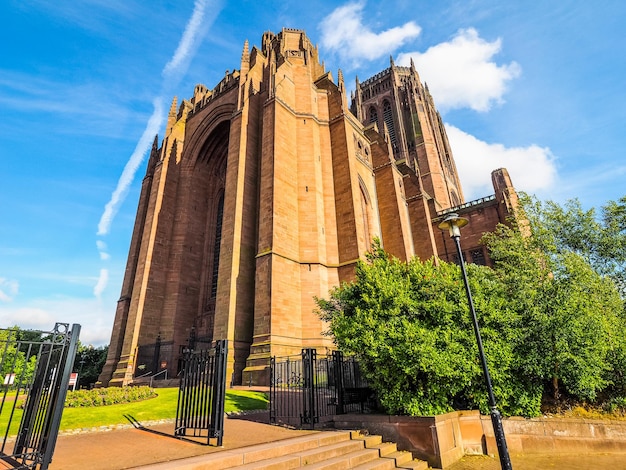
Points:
x=330 y=450
x=150 y=382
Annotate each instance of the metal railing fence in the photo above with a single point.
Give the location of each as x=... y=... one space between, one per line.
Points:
x=36 y=368
x=202 y=392
x=309 y=388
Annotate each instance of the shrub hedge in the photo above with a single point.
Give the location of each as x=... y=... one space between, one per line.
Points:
x=107 y=396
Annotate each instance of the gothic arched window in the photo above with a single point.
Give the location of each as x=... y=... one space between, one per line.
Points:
x=388 y=117
x=216 y=246
x=373 y=115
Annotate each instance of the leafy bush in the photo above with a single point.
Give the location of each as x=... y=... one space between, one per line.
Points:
x=409 y=327
x=616 y=406
x=107 y=396
x=545 y=329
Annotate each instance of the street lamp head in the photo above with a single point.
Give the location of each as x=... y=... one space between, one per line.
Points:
x=453 y=224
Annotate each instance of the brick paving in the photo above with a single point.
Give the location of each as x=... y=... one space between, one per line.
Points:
x=128 y=448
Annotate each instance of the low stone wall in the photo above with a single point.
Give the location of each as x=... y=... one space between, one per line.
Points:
x=436 y=439
x=558 y=435
x=444 y=439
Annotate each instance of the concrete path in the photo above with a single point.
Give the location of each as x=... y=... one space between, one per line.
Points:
x=129 y=448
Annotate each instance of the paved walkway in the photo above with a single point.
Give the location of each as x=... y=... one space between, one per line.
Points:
x=129 y=448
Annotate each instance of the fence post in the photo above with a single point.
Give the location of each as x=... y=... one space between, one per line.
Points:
x=339 y=386
x=273 y=393
x=309 y=415
x=219 y=391
x=156 y=356
x=62 y=385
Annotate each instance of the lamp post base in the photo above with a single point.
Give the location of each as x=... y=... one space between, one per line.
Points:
x=498 y=430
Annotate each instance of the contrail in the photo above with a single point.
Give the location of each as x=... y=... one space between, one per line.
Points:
x=152 y=128
x=173 y=71
x=103 y=279
x=187 y=42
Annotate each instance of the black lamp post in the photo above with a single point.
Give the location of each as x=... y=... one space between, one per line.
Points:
x=453 y=223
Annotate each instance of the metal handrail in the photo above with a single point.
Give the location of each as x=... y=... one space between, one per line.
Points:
x=143 y=375
x=164 y=371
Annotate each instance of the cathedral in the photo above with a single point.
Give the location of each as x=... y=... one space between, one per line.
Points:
x=265 y=192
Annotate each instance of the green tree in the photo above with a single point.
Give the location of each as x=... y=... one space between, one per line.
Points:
x=408 y=324
x=599 y=238
x=571 y=313
x=17 y=360
x=88 y=363
x=550 y=324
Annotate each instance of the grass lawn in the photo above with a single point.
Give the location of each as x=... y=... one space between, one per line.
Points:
x=161 y=407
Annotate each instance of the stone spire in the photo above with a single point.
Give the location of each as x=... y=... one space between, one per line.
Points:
x=171 y=117
x=245 y=59
x=357 y=100
x=154 y=156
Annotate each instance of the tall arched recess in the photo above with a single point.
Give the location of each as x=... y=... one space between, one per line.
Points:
x=211 y=169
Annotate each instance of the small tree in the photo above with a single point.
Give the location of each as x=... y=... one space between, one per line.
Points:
x=600 y=239
x=21 y=360
x=409 y=326
x=88 y=363
x=549 y=322
x=570 y=313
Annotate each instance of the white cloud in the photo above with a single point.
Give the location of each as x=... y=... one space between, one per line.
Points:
x=189 y=40
x=343 y=32
x=94 y=316
x=461 y=73
x=531 y=168
x=27 y=318
x=102 y=249
x=103 y=280
x=172 y=72
x=8 y=289
x=128 y=174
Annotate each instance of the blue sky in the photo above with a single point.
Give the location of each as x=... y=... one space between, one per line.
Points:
x=536 y=87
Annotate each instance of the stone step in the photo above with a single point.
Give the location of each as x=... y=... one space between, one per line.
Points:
x=378 y=464
x=308 y=457
x=328 y=450
x=400 y=457
x=257 y=453
x=369 y=440
x=351 y=460
x=293 y=446
x=388 y=451
x=287 y=462
x=384 y=448
x=414 y=465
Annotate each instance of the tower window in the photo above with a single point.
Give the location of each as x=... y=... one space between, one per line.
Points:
x=388 y=117
x=216 y=246
x=478 y=256
x=373 y=115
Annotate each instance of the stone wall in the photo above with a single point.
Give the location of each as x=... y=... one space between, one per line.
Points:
x=442 y=440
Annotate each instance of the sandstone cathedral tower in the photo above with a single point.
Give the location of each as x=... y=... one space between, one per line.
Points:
x=266 y=191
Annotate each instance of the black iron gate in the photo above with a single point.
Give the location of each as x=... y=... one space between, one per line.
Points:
x=35 y=367
x=308 y=388
x=201 y=396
